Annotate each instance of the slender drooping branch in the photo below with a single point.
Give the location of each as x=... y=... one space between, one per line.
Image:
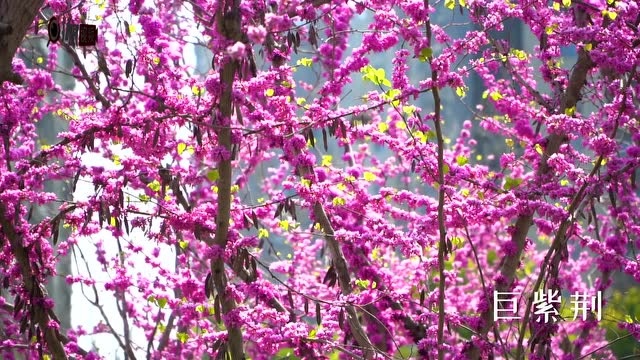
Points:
x=442 y=231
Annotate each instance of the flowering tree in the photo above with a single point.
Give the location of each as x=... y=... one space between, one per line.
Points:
x=282 y=248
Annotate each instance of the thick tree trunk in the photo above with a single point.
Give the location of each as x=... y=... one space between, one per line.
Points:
x=16 y=16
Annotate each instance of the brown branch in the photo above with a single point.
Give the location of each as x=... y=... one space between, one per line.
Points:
x=85 y=75
x=344 y=279
x=230 y=24
x=442 y=242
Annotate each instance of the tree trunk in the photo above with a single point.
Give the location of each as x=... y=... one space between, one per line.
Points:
x=16 y=16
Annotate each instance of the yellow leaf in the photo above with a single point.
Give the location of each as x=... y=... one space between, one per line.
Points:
x=300 y=101
x=156 y=60
x=263 y=233
x=269 y=92
x=116 y=160
x=338 y=201
x=564 y=182
x=556 y=6
x=383 y=127
x=408 y=109
x=284 y=225
x=509 y=142
x=461 y=92
x=369 y=176
x=196 y=90
x=495 y=95
x=588 y=47
x=326 y=160
x=181 y=148
x=566 y=3
x=305 y=62
x=154 y=185
x=539 y=149
x=450 y=4
x=611 y=14
x=570 y=111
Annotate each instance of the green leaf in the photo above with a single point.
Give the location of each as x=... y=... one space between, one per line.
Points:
x=407 y=351
x=492 y=256
x=363 y=284
x=457 y=241
x=154 y=185
x=286 y=354
x=512 y=183
x=183 y=244
x=213 y=175
x=183 y=337
x=162 y=302
x=461 y=160
x=450 y=4
x=376 y=76
x=425 y=54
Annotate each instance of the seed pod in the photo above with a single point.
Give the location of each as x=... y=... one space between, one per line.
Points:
x=318 y=315
x=128 y=68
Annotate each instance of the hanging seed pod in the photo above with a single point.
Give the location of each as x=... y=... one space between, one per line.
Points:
x=208 y=289
x=290 y=299
x=216 y=309
x=254 y=217
x=279 y=210
x=128 y=68
x=318 y=315
x=325 y=140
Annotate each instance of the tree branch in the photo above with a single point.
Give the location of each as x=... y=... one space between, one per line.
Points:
x=511 y=262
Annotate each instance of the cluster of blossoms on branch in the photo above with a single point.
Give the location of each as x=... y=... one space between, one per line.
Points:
x=289 y=234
